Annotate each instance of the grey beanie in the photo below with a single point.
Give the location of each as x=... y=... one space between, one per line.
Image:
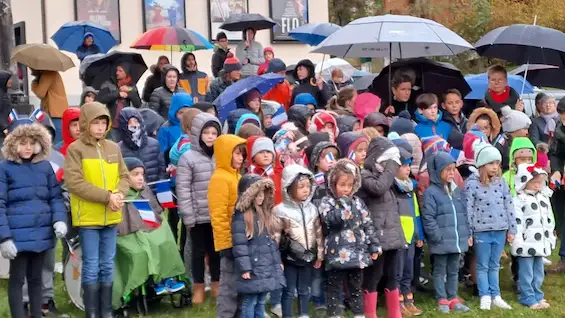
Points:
x=513 y=120
x=262 y=144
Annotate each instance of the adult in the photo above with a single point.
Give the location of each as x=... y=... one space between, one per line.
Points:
x=230 y=73
x=221 y=51
x=543 y=125
x=192 y=80
x=282 y=92
x=116 y=93
x=88 y=47
x=250 y=53
x=499 y=93
x=154 y=80
x=269 y=55
x=160 y=99
x=49 y=87
x=307 y=83
x=5 y=104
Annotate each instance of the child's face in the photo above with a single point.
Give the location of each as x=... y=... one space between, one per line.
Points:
x=329 y=128
x=269 y=56
x=137 y=178
x=181 y=111
x=302 y=191
x=89 y=98
x=497 y=82
x=344 y=185
x=448 y=173
x=452 y=104
x=536 y=183
x=254 y=105
x=361 y=152
x=263 y=159
x=133 y=124
x=484 y=126
x=403 y=172
x=312 y=108
x=98 y=127
x=260 y=198
x=267 y=121
x=237 y=159
x=324 y=164
x=357 y=126
x=74 y=129
x=307 y=122
x=402 y=92
x=430 y=112
x=209 y=135
x=492 y=168
x=521 y=160
x=520 y=133
x=25 y=148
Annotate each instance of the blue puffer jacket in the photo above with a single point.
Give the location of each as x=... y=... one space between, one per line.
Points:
x=170 y=131
x=147 y=151
x=426 y=128
x=30 y=196
x=444 y=217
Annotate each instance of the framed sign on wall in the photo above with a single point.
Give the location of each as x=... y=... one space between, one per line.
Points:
x=289 y=14
x=219 y=11
x=103 y=12
x=163 y=13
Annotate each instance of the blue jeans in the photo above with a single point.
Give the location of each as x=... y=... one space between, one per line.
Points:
x=98 y=252
x=446 y=275
x=276 y=297
x=405 y=272
x=253 y=305
x=531 y=274
x=57 y=122
x=319 y=286
x=488 y=250
x=298 y=278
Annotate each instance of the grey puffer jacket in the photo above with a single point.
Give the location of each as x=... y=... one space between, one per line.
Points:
x=194 y=170
x=253 y=54
x=377 y=192
x=160 y=99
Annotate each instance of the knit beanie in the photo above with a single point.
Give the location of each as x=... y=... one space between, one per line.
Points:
x=276 y=66
x=262 y=144
x=133 y=162
x=231 y=63
x=321 y=118
x=472 y=136
x=305 y=99
x=268 y=49
x=402 y=124
x=486 y=153
x=251 y=95
x=542 y=160
x=513 y=120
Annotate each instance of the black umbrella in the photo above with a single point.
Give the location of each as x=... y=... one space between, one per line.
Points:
x=431 y=77
x=242 y=21
x=365 y=82
x=542 y=75
x=524 y=43
x=104 y=68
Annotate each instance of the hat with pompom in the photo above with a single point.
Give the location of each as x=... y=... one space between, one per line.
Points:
x=232 y=63
x=402 y=124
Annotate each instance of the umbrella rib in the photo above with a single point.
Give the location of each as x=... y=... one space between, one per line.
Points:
x=439 y=37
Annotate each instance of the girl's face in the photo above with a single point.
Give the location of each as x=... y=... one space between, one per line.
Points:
x=344 y=185
x=484 y=126
x=302 y=72
x=209 y=135
x=448 y=173
x=403 y=172
x=302 y=191
x=492 y=168
x=522 y=160
x=259 y=198
x=267 y=121
x=171 y=79
x=324 y=164
x=254 y=105
x=89 y=98
x=25 y=148
x=361 y=152
x=237 y=159
x=402 y=92
x=329 y=128
x=269 y=56
x=136 y=178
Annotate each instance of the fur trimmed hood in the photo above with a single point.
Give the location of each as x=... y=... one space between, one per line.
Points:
x=495 y=121
x=344 y=165
x=250 y=186
x=36 y=132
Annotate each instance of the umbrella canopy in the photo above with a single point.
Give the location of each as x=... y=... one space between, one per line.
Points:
x=86 y=63
x=228 y=100
x=71 y=35
x=364 y=82
x=479 y=85
x=395 y=36
x=41 y=57
x=524 y=43
x=313 y=33
x=242 y=21
x=331 y=64
x=542 y=75
x=172 y=39
x=104 y=68
x=431 y=76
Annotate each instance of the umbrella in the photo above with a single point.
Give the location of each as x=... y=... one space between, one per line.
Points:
x=364 y=82
x=228 y=100
x=242 y=21
x=172 y=39
x=524 y=43
x=313 y=33
x=104 y=68
x=86 y=63
x=393 y=36
x=542 y=75
x=331 y=64
x=479 y=85
x=41 y=57
x=71 y=35
x=431 y=76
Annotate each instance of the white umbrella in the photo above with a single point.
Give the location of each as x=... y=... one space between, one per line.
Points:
x=328 y=66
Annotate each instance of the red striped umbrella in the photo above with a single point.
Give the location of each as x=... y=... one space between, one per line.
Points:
x=172 y=39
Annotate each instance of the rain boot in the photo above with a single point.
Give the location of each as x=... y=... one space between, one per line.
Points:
x=370 y=304
x=392 y=304
x=198 y=294
x=106 y=310
x=91 y=300
x=214 y=286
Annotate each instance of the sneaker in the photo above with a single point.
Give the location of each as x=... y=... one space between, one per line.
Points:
x=443 y=306
x=173 y=286
x=486 y=302
x=460 y=307
x=277 y=310
x=321 y=311
x=160 y=289
x=409 y=304
x=536 y=306
x=497 y=301
x=544 y=304
x=404 y=310
x=50 y=310
x=547 y=262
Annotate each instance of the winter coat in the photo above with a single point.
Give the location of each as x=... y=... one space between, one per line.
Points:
x=376 y=119
x=160 y=99
x=152 y=82
x=170 y=131
x=280 y=93
x=427 y=128
x=5 y=104
x=218 y=59
x=131 y=219
x=489 y=207
x=409 y=213
x=345 y=123
x=71 y=114
x=253 y=54
x=410 y=106
x=536 y=131
x=503 y=143
x=109 y=95
x=30 y=196
x=222 y=191
x=351 y=236
x=302 y=240
x=85 y=91
x=49 y=87
x=444 y=217
x=260 y=254
x=217 y=87
x=194 y=170
x=376 y=191
x=557 y=149
x=510 y=101
x=298 y=115
x=308 y=85
x=83 y=51
x=495 y=122
x=93 y=169
x=424 y=181
x=460 y=126
x=517 y=143
x=348 y=141
x=193 y=82
x=148 y=152
x=321 y=189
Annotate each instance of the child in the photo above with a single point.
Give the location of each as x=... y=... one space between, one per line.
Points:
x=348 y=123
x=324 y=121
x=343 y=102
x=353 y=145
x=534 y=238
x=299 y=117
x=182 y=144
x=452 y=105
x=171 y=130
x=542 y=150
x=252 y=102
x=486 y=121
x=262 y=154
x=351 y=242
x=239 y=117
x=430 y=122
x=521 y=151
x=404 y=127
x=97 y=179
x=195 y=168
x=307 y=100
x=32 y=212
x=447 y=231
x=514 y=124
x=321 y=157
x=135 y=143
x=302 y=240
x=222 y=196
x=491 y=219
x=255 y=229
x=249 y=130
x=379 y=121
x=71 y=129
x=269 y=55
x=499 y=93
x=88 y=95
x=401 y=90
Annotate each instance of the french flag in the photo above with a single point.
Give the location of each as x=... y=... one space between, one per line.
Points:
x=330 y=157
x=146 y=213
x=38 y=114
x=164 y=193
x=13 y=116
x=352 y=155
x=320 y=178
x=269 y=171
x=279 y=117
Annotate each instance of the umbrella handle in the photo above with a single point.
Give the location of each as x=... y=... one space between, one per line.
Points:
x=525 y=79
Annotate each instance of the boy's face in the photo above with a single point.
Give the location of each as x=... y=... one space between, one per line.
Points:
x=402 y=92
x=263 y=159
x=302 y=190
x=448 y=173
x=536 y=184
x=237 y=159
x=89 y=98
x=497 y=82
x=25 y=148
x=484 y=127
x=74 y=129
x=269 y=56
x=361 y=152
x=324 y=164
x=520 y=133
x=357 y=126
x=267 y=121
x=98 y=128
x=181 y=111
x=521 y=160
x=209 y=135
x=344 y=185
x=137 y=178
x=403 y=172
x=430 y=112
x=452 y=104
x=302 y=72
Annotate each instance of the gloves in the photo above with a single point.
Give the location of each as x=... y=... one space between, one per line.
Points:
x=60 y=229
x=8 y=249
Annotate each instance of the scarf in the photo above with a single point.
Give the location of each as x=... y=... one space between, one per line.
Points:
x=500 y=98
x=550 y=123
x=120 y=102
x=405 y=186
x=136 y=135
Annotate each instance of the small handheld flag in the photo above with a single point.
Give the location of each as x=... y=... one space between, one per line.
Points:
x=330 y=157
x=164 y=193
x=320 y=178
x=146 y=213
x=71 y=250
x=269 y=171
x=38 y=114
x=12 y=116
x=352 y=155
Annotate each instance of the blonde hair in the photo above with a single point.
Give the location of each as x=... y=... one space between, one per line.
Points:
x=266 y=218
x=186 y=119
x=484 y=177
x=370 y=133
x=339 y=100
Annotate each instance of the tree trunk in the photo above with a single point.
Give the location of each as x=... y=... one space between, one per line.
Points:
x=7 y=35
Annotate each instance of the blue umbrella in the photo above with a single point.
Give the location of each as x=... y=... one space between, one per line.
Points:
x=71 y=35
x=479 y=85
x=313 y=33
x=228 y=100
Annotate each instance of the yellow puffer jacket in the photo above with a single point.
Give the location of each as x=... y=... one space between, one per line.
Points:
x=94 y=169
x=222 y=190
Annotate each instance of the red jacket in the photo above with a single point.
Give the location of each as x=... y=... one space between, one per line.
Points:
x=281 y=94
x=70 y=114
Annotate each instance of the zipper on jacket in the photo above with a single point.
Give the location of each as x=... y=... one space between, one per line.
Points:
x=456 y=225
x=103 y=180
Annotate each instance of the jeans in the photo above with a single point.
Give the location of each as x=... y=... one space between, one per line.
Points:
x=25 y=265
x=405 y=272
x=227 y=298
x=57 y=122
x=446 y=275
x=253 y=305
x=336 y=282
x=98 y=253
x=488 y=250
x=202 y=245
x=298 y=278
x=319 y=280
x=531 y=273
x=276 y=297
x=47 y=272
x=387 y=264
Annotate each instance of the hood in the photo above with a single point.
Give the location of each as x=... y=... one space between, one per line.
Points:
x=34 y=131
x=127 y=136
x=178 y=101
x=425 y=121
x=249 y=187
x=311 y=69
x=345 y=165
x=495 y=121
x=240 y=116
x=289 y=174
x=346 y=123
x=183 y=62
x=70 y=114
x=153 y=121
x=86 y=90
x=198 y=123
x=205 y=107
x=522 y=143
x=89 y=112
x=436 y=163
x=4 y=77
x=317 y=150
x=166 y=69
x=313 y=140
x=305 y=99
x=223 y=149
x=377 y=147
x=376 y=119
x=348 y=141
x=298 y=114
x=365 y=104
x=525 y=173
x=320 y=119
